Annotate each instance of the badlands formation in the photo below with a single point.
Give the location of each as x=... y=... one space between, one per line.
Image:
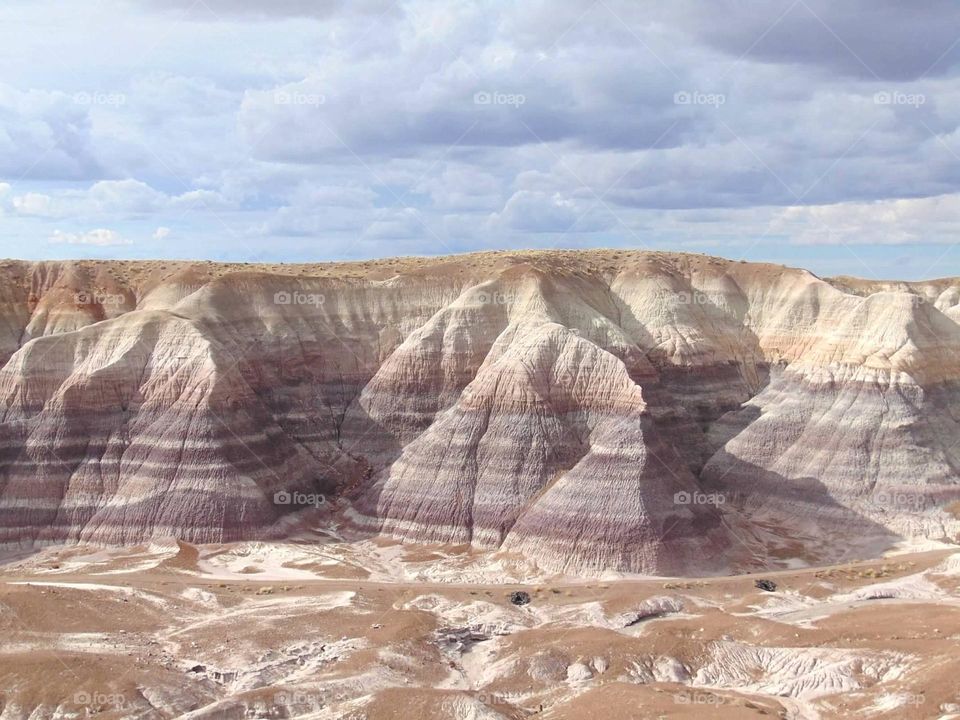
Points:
x=376 y=630
x=593 y=412
x=443 y=489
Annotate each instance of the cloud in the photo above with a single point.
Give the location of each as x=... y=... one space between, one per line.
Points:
x=161 y=233
x=128 y=196
x=202 y=200
x=44 y=135
x=215 y=9
x=322 y=209
x=460 y=187
x=368 y=127
x=326 y=196
x=397 y=224
x=873 y=39
x=497 y=103
x=100 y=237
x=115 y=199
x=885 y=222
x=534 y=212
x=32 y=204
x=601 y=99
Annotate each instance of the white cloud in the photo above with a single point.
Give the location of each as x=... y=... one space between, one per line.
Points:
x=538 y=212
x=33 y=204
x=100 y=237
x=198 y=200
x=883 y=222
x=122 y=197
x=161 y=233
x=397 y=224
x=45 y=135
x=112 y=199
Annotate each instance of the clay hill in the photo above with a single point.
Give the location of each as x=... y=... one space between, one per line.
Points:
x=592 y=411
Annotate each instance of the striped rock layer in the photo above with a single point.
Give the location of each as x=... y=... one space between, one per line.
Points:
x=592 y=411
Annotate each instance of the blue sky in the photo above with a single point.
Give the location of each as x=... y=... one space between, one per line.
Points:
x=807 y=132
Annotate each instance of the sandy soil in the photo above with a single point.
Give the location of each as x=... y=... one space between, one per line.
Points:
x=375 y=629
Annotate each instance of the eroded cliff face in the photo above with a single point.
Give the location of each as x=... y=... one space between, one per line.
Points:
x=569 y=406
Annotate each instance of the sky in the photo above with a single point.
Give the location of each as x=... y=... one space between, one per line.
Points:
x=813 y=133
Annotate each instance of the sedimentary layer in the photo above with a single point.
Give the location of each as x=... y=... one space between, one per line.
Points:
x=598 y=410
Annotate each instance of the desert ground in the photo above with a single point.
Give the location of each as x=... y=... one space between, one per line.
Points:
x=326 y=626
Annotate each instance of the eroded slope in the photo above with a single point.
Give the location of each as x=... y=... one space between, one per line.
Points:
x=552 y=403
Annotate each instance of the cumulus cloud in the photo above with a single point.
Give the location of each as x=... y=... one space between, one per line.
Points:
x=33 y=204
x=536 y=212
x=670 y=133
x=44 y=134
x=115 y=199
x=100 y=237
x=399 y=223
x=121 y=196
x=887 y=222
x=481 y=98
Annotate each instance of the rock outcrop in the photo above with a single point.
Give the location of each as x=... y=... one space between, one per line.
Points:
x=592 y=411
x=862 y=428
